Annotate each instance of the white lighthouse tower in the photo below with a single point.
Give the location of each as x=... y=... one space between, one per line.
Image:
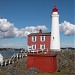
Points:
x=55 y=34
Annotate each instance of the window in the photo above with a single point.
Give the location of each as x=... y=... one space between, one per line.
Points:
x=53 y=37
x=33 y=47
x=42 y=46
x=42 y=38
x=33 y=38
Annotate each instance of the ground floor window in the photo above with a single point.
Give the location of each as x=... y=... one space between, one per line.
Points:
x=33 y=47
x=42 y=46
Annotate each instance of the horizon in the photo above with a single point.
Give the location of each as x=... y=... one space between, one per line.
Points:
x=20 y=18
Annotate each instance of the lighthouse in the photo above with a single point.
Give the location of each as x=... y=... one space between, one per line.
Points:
x=55 y=34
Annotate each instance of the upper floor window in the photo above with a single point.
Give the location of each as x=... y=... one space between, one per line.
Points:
x=42 y=38
x=33 y=38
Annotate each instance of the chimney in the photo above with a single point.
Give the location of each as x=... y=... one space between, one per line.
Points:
x=40 y=31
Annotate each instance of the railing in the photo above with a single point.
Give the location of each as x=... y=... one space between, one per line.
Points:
x=43 y=51
x=13 y=58
x=22 y=54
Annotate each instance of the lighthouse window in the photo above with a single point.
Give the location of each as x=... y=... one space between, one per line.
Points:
x=42 y=38
x=33 y=38
x=53 y=37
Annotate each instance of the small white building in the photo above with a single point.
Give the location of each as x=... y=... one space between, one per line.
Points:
x=1 y=58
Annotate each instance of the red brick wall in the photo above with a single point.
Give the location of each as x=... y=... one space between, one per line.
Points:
x=43 y=62
x=38 y=42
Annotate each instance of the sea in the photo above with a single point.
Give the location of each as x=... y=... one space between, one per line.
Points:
x=8 y=54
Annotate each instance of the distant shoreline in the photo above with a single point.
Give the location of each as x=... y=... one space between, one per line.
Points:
x=13 y=49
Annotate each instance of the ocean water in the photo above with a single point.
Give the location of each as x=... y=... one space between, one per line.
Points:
x=8 y=54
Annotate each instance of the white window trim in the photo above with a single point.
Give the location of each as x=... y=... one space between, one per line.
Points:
x=41 y=38
x=33 y=38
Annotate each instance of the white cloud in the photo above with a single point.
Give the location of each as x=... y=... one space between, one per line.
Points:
x=5 y=25
x=67 y=28
x=8 y=30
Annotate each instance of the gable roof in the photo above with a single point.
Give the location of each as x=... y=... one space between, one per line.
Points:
x=40 y=34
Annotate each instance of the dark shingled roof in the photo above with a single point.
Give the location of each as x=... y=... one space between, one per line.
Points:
x=40 y=34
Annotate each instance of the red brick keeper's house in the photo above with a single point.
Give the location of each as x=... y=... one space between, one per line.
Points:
x=39 y=41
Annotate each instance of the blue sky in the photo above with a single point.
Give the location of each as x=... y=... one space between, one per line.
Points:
x=23 y=13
